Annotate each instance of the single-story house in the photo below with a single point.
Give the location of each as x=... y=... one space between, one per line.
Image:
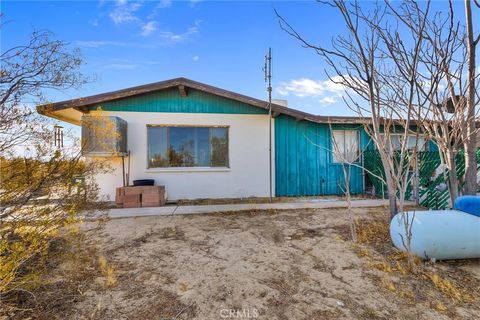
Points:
x=201 y=141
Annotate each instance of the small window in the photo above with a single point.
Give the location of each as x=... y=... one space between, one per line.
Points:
x=345 y=146
x=187 y=146
x=397 y=139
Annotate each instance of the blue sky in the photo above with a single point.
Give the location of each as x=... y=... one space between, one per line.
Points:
x=222 y=43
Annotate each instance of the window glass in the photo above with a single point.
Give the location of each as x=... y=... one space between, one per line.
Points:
x=202 y=154
x=219 y=143
x=345 y=145
x=338 y=145
x=157 y=147
x=397 y=139
x=187 y=147
x=181 y=151
x=351 y=146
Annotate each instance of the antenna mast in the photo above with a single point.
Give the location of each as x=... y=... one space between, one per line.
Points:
x=58 y=136
x=268 y=79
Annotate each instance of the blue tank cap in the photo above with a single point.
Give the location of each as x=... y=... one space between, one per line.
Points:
x=468 y=204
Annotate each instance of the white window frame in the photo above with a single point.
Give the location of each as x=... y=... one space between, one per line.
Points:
x=425 y=146
x=334 y=142
x=179 y=169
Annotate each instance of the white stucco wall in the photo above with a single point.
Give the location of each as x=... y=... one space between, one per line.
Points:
x=248 y=175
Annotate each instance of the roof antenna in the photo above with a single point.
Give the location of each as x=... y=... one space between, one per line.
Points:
x=58 y=136
x=267 y=68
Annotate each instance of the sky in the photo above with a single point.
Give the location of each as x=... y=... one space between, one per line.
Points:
x=221 y=43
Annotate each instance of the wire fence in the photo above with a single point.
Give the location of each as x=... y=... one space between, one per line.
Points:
x=427 y=181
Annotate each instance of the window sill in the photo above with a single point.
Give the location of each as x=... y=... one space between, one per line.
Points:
x=193 y=169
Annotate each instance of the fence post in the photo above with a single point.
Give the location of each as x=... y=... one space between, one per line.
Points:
x=416 y=181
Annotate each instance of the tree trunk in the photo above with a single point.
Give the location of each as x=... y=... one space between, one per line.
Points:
x=392 y=203
x=470 y=139
x=391 y=187
x=452 y=176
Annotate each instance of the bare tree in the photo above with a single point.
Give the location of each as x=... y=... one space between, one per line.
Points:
x=445 y=88
x=470 y=142
x=380 y=71
x=26 y=72
x=348 y=155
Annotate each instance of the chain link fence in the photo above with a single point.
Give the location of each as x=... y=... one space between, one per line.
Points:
x=428 y=185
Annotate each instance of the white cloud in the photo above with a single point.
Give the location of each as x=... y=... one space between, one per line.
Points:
x=178 y=37
x=195 y=58
x=334 y=85
x=325 y=101
x=94 y=23
x=122 y=66
x=162 y=4
x=329 y=91
x=124 y=12
x=128 y=12
x=301 y=88
x=100 y=43
x=305 y=87
x=149 y=27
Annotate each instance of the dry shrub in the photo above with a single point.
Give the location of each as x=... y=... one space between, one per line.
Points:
x=108 y=271
x=69 y=268
x=42 y=199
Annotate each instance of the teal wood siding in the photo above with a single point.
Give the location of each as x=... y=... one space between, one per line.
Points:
x=303 y=159
x=170 y=101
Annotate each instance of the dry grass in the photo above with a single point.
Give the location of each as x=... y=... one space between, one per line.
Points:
x=184 y=202
x=75 y=265
x=108 y=272
x=416 y=283
x=76 y=269
x=286 y=264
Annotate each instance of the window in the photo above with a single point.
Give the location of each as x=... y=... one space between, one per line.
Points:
x=397 y=139
x=345 y=145
x=187 y=146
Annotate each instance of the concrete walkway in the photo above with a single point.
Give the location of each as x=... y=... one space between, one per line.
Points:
x=180 y=210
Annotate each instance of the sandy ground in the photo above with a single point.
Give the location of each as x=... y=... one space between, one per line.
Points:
x=253 y=265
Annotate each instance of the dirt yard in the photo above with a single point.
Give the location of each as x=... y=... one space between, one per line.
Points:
x=267 y=265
